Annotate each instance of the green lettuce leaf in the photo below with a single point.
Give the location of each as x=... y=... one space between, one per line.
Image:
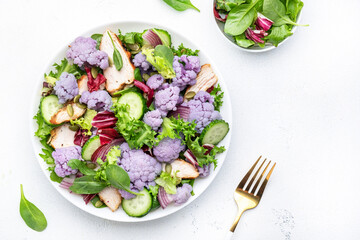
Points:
x=199 y=152
x=181 y=50
x=43 y=128
x=162 y=59
x=242 y=41
x=278 y=34
x=168 y=182
x=218 y=95
x=64 y=66
x=85 y=122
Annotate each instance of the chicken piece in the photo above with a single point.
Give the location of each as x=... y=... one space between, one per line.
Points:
x=63 y=116
x=116 y=80
x=184 y=169
x=82 y=84
x=205 y=79
x=62 y=136
x=111 y=197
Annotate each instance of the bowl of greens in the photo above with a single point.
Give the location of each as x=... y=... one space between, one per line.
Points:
x=132 y=121
x=259 y=25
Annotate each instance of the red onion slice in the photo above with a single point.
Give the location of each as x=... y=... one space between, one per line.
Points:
x=104 y=149
x=183 y=111
x=104 y=119
x=147 y=90
x=191 y=158
x=217 y=15
x=88 y=197
x=151 y=37
x=164 y=198
x=209 y=147
x=66 y=183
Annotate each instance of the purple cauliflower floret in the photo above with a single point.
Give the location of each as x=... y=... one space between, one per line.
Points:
x=202 y=110
x=99 y=59
x=183 y=194
x=98 y=100
x=66 y=88
x=153 y=119
x=155 y=81
x=168 y=149
x=186 y=69
x=166 y=100
x=83 y=50
x=126 y=195
x=141 y=167
x=62 y=157
x=140 y=62
x=204 y=171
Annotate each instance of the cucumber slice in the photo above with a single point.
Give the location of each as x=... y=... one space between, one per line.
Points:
x=137 y=103
x=214 y=132
x=164 y=36
x=90 y=147
x=138 y=206
x=49 y=106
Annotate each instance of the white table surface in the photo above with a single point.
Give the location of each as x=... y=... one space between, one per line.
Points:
x=298 y=105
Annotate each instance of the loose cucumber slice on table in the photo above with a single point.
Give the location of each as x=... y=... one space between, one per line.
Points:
x=214 y=132
x=139 y=205
x=136 y=102
x=49 y=106
x=90 y=147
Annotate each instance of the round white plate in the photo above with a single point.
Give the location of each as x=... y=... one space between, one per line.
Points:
x=200 y=184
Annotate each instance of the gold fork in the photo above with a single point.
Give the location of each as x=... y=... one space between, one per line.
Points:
x=248 y=198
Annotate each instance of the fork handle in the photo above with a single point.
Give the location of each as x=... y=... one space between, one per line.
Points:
x=229 y=235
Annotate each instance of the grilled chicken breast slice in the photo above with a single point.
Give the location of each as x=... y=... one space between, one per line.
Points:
x=116 y=80
x=82 y=84
x=184 y=169
x=205 y=79
x=111 y=197
x=63 y=116
x=62 y=136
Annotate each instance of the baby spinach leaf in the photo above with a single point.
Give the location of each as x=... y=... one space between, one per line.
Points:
x=54 y=177
x=240 y=18
x=31 y=215
x=97 y=37
x=87 y=185
x=118 y=178
x=242 y=41
x=81 y=165
x=117 y=59
x=293 y=7
x=181 y=5
x=278 y=34
x=227 y=5
x=275 y=10
x=137 y=75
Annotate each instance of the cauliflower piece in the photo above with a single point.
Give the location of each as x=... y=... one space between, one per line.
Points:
x=83 y=50
x=202 y=110
x=98 y=100
x=153 y=119
x=186 y=69
x=168 y=149
x=140 y=62
x=155 y=81
x=66 y=88
x=141 y=167
x=166 y=99
x=62 y=157
x=183 y=193
x=204 y=171
x=126 y=195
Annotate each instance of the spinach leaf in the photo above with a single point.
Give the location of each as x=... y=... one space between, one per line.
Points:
x=118 y=178
x=242 y=41
x=31 y=215
x=87 y=185
x=117 y=59
x=81 y=165
x=162 y=59
x=275 y=10
x=154 y=192
x=227 y=5
x=97 y=37
x=293 y=7
x=240 y=18
x=278 y=34
x=54 y=177
x=181 y=5
x=137 y=75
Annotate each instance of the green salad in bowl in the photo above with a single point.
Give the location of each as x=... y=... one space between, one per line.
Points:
x=130 y=121
x=257 y=25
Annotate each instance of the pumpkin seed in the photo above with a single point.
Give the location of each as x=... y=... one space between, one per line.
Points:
x=153 y=73
x=168 y=168
x=76 y=98
x=145 y=76
x=98 y=204
x=74 y=128
x=70 y=110
x=91 y=165
x=83 y=106
x=94 y=72
x=134 y=47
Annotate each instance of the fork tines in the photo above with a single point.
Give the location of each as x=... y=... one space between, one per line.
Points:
x=249 y=185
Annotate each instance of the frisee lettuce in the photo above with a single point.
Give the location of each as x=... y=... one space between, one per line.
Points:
x=85 y=122
x=168 y=182
x=64 y=66
x=218 y=95
x=177 y=128
x=181 y=50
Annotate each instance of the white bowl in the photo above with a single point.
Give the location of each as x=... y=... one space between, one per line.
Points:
x=120 y=215
x=255 y=48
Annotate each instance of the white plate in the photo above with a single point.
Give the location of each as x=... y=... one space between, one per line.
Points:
x=119 y=215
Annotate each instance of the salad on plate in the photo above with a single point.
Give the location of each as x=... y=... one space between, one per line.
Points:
x=131 y=120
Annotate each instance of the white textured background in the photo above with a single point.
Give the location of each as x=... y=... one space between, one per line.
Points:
x=298 y=105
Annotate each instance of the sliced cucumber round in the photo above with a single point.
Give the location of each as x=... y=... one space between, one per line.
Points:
x=49 y=106
x=214 y=132
x=139 y=205
x=90 y=147
x=136 y=102
x=164 y=36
